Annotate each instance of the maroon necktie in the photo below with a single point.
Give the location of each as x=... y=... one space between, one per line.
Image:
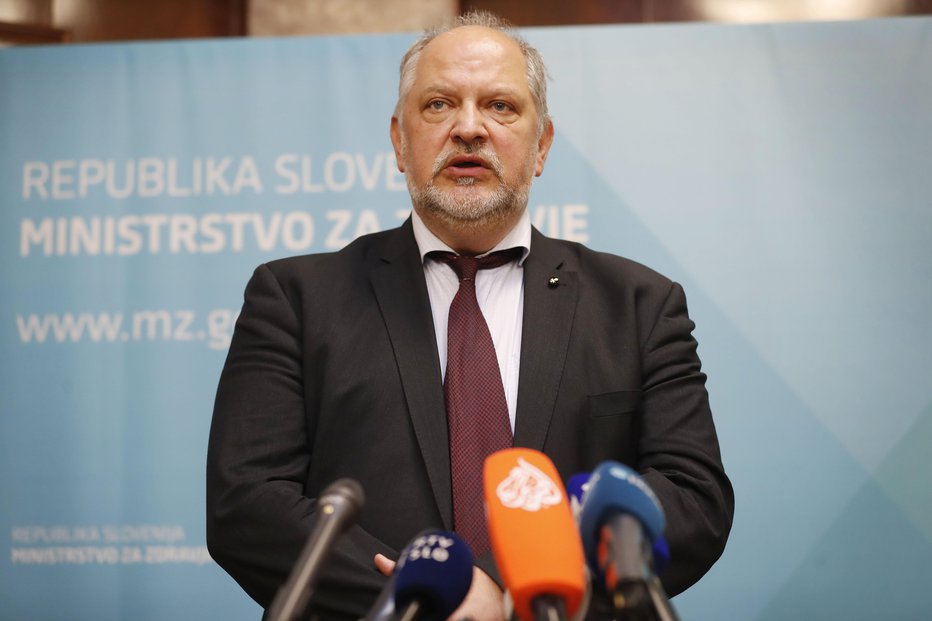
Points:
x=477 y=414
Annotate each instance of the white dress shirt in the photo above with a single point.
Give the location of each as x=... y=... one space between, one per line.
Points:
x=499 y=290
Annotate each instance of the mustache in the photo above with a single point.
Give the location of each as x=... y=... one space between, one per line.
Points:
x=482 y=152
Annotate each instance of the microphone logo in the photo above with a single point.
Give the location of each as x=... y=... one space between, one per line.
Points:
x=435 y=547
x=624 y=474
x=527 y=487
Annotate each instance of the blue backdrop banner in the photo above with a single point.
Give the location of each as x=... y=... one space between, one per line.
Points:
x=781 y=173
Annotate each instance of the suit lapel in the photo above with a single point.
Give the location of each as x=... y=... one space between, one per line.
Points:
x=398 y=281
x=549 y=307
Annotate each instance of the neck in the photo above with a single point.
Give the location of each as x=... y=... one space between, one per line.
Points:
x=473 y=238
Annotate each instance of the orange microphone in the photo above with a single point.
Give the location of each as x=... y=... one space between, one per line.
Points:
x=534 y=536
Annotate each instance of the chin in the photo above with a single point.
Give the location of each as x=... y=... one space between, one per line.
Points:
x=468 y=205
x=482 y=212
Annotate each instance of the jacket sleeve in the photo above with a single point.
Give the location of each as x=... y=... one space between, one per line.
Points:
x=259 y=512
x=678 y=452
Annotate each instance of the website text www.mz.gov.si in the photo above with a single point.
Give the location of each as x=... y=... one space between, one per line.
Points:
x=213 y=328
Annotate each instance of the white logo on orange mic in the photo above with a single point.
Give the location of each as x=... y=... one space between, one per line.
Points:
x=527 y=487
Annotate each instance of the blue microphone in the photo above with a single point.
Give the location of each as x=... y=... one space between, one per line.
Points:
x=576 y=489
x=432 y=577
x=621 y=524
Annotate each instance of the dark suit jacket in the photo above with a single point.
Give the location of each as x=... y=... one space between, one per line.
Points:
x=333 y=372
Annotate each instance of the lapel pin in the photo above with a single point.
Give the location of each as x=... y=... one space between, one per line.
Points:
x=553 y=282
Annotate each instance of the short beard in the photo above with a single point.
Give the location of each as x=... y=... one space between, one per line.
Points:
x=467 y=206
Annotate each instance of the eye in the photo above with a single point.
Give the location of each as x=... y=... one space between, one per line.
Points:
x=500 y=106
x=437 y=105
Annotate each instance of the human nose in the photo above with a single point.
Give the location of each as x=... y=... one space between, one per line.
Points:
x=469 y=125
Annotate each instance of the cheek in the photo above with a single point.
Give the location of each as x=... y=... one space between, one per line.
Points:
x=422 y=161
x=418 y=167
x=524 y=158
x=422 y=152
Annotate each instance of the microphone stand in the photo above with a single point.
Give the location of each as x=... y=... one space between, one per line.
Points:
x=292 y=599
x=640 y=597
x=548 y=608
x=339 y=504
x=662 y=606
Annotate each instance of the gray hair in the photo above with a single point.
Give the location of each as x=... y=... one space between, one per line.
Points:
x=536 y=71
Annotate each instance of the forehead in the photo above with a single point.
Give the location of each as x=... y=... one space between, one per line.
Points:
x=472 y=54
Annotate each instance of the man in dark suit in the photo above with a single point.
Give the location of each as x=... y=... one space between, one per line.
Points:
x=337 y=365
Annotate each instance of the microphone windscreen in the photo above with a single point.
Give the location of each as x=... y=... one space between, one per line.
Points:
x=533 y=534
x=436 y=570
x=346 y=495
x=617 y=489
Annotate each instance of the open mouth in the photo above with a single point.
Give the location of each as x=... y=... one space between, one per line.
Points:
x=463 y=162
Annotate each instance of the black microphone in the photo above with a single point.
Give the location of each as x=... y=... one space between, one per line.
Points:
x=337 y=507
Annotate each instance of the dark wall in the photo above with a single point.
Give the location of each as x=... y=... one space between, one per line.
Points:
x=52 y=21
x=123 y=20
x=564 y=12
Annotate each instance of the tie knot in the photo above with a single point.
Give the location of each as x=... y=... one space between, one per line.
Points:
x=466 y=266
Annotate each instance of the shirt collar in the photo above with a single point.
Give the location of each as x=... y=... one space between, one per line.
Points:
x=518 y=237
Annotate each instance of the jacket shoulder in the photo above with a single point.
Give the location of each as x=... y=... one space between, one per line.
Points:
x=605 y=266
x=360 y=252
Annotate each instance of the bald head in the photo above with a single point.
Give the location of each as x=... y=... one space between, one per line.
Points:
x=534 y=69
